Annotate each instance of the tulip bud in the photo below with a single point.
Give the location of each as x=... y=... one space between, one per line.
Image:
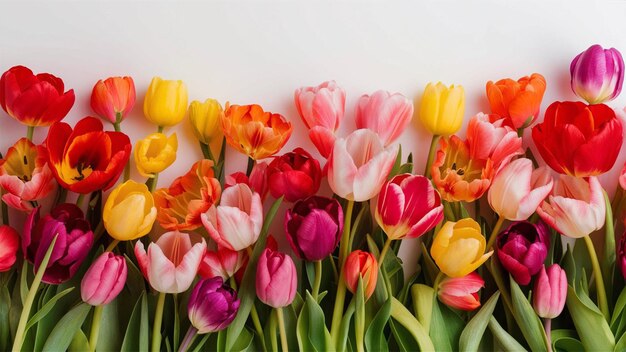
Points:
x=129 y=212
x=522 y=248
x=597 y=74
x=165 y=103
x=113 y=98
x=442 y=108
x=104 y=279
x=364 y=265
x=461 y=292
x=9 y=244
x=550 y=292
x=212 y=305
x=321 y=106
x=155 y=153
x=384 y=113
x=295 y=175
x=205 y=120
x=313 y=227
x=276 y=279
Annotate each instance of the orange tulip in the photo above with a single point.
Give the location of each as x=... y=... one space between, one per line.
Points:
x=517 y=101
x=254 y=132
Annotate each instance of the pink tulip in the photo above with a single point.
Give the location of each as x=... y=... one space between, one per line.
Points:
x=384 y=113
x=597 y=74
x=222 y=262
x=276 y=279
x=550 y=292
x=517 y=191
x=9 y=244
x=461 y=292
x=104 y=279
x=172 y=262
x=236 y=222
x=622 y=175
x=576 y=207
x=359 y=165
x=408 y=206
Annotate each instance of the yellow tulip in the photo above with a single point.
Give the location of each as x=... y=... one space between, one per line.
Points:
x=155 y=153
x=442 y=108
x=458 y=248
x=205 y=120
x=166 y=102
x=129 y=212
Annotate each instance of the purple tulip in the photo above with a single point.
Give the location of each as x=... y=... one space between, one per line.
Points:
x=597 y=74
x=313 y=227
x=73 y=242
x=104 y=279
x=550 y=292
x=212 y=305
x=522 y=248
x=276 y=279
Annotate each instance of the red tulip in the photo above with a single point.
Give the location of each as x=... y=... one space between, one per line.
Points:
x=572 y=135
x=295 y=175
x=222 y=262
x=113 y=98
x=9 y=244
x=461 y=292
x=87 y=158
x=364 y=265
x=34 y=100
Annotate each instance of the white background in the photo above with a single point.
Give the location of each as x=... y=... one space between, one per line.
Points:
x=261 y=52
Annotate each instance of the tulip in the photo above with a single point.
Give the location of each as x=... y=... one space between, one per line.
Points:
x=254 y=132
x=113 y=98
x=522 y=249
x=257 y=181
x=104 y=279
x=550 y=292
x=179 y=206
x=236 y=223
x=321 y=109
x=155 y=153
x=621 y=256
x=362 y=265
x=34 y=100
x=386 y=114
x=408 y=206
x=442 y=108
x=359 y=165
x=25 y=175
x=276 y=279
x=9 y=244
x=463 y=170
x=571 y=135
x=517 y=101
x=205 y=120
x=212 y=305
x=129 y=212
x=165 y=103
x=294 y=175
x=516 y=192
x=74 y=240
x=576 y=207
x=459 y=248
x=87 y=158
x=222 y=262
x=313 y=227
x=597 y=74
x=461 y=292
x=622 y=177
x=171 y=263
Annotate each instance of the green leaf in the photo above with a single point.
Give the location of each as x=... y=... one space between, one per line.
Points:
x=245 y=342
x=312 y=332
x=395 y=170
x=585 y=315
x=608 y=259
x=618 y=319
x=408 y=321
x=504 y=338
x=566 y=341
x=136 y=337
x=374 y=338
x=475 y=328
x=527 y=320
x=404 y=340
x=430 y=268
x=344 y=328
x=47 y=307
x=79 y=343
x=63 y=334
x=5 y=306
x=109 y=335
x=359 y=314
x=423 y=304
x=445 y=327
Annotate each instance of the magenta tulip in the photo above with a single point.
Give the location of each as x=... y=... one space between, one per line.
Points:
x=522 y=248
x=313 y=227
x=408 y=206
x=276 y=279
x=461 y=292
x=212 y=305
x=386 y=114
x=550 y=292
x=104 y=279
x=9 y=244
x=597 y=74
x=74 y=240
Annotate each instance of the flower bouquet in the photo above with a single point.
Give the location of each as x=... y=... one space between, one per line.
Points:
x=268 y=259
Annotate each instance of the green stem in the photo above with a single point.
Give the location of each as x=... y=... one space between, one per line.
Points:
x=547 y=325
x=95 y=328
x=438 y=279
x=257 y=325
x=272 y=332
x=597 y=273
x=176 y=322
x=158 y=319
x=160 y=129
x=29 y=132
x=79 y=200
x=153 y=182
x=190 y=336
x=495 y=232
x=281 y=329
x=112 y=245
x=344 y=246
x=206 y=151
x=62 y=195
x=318 y=279
x=30 y=298
x=334 y=266
x=381 y=257
x=251 y=163
x=359 y=328
x=431 y=154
